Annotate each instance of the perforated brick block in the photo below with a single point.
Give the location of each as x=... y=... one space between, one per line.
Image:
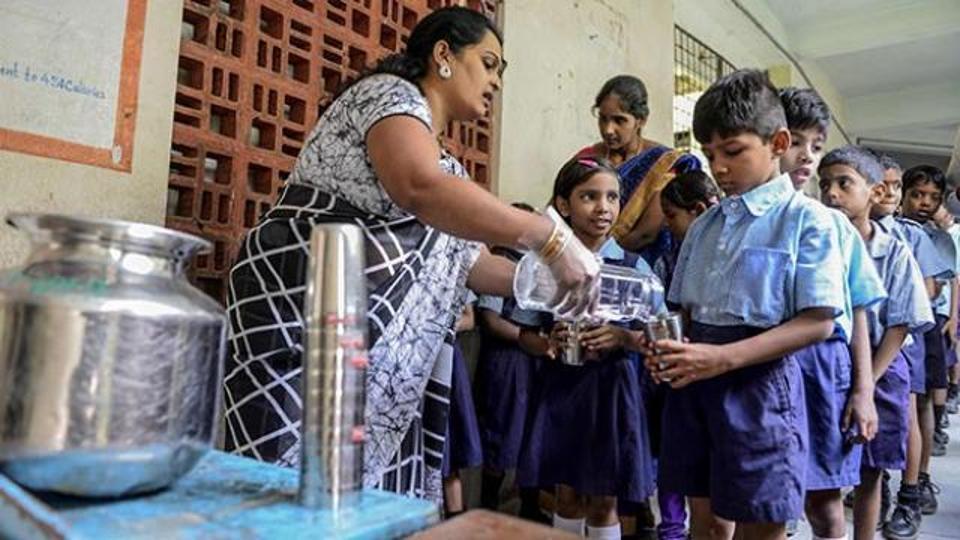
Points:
x=253 y=78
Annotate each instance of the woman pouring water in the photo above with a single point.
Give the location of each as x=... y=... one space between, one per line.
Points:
x=375 y=160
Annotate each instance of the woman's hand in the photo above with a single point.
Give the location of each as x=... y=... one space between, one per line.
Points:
x=576 y=272
x=683 y=363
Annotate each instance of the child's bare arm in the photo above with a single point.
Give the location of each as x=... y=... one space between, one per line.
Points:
x=498 y=326
x=892 y=340
x=860 y=409
x=688 y=362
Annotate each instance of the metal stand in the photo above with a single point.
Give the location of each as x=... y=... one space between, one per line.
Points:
x=225 y=496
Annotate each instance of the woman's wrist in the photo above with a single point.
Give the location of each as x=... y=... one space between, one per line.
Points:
x=537 y=233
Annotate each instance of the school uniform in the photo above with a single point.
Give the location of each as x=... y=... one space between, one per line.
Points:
x=931 y=266
x=827 y=369
x=463 y=448
x=908 y=305
x=746 y=265
x=935 y=341
x=589 y=426
x=506 y=385
x=954 y=232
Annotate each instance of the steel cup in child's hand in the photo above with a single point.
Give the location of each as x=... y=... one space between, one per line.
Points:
x=571 y=353
x=667 y=325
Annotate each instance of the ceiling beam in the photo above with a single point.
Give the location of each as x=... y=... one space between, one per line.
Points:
x=846 y=32
x=932 y=105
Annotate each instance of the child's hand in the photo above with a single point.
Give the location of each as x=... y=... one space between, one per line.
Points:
x=536 y=344
x=636 y=341
x=603 y=339
x=861 y=412
x=680 y=364
x=950 y=330
x=559 y=334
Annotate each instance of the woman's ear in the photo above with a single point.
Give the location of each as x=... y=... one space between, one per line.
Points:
x=442 y=55
x=641 y=124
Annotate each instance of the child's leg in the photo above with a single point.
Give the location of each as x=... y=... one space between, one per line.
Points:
x=602 y=521
x=911 y=475
x=824 y=510
x=530 y=505
x=925 y=420
x=568 y=513
x=704 y=524
x=761 y=531
x=490 y=488
x=866 y=504
x=452 y=495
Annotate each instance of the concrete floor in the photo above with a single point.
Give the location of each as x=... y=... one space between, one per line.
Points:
x=945 y=472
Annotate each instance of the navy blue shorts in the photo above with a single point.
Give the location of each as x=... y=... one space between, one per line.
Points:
x=740 y=438
x=915 y=353
x=888 y=450
x=936 y=355
x=833 y=461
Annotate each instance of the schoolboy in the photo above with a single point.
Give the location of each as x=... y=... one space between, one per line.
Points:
x=837 y=373
x=759 y=276
x=850 y=180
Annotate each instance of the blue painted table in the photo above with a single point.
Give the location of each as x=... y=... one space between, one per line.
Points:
x=225 y=496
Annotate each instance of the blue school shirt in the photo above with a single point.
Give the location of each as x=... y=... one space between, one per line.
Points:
x=911 y=233
x=863 y=284
x=759 y=258
x=946 y=247
x=908 y=303
x=942 y=302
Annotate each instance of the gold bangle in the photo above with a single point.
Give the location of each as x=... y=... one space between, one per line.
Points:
x=562 y=242
x=550 y=244
x=553 y=248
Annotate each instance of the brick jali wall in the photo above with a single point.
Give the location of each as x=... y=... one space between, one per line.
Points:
x=254 y=77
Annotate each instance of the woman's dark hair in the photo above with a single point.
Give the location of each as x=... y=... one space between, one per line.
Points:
x=459 y=26
x=690 y=188
x=922 y=174
x=577 y=171
x=632 y=94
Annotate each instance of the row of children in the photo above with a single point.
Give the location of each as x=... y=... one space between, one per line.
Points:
x=814 y=361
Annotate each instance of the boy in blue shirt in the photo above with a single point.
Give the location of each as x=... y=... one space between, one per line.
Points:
x=904 y=523
x=924 y=187
x=759 y=276
x=850 y=180
x=837 y=374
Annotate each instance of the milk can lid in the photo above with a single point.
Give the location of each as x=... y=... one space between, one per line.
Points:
x=122 y=233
